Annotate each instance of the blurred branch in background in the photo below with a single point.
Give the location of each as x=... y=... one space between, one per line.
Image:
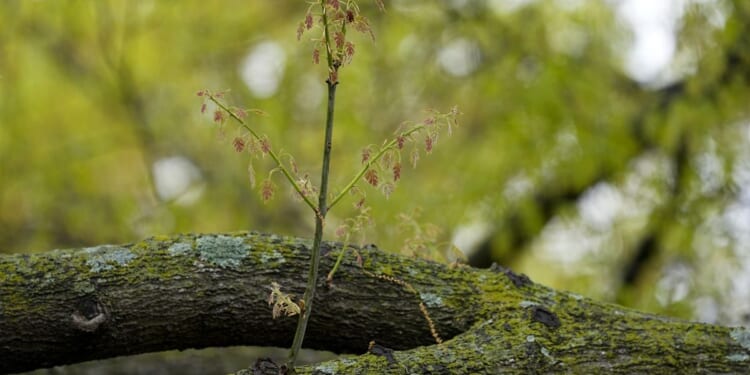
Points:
x=219 y=361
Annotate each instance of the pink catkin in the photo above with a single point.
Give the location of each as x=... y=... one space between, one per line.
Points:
x=372 y=177
x=396 y=172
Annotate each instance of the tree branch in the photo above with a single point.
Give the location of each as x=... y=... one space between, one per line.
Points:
x=194 y=291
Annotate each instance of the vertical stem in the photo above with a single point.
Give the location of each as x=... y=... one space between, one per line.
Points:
x=312 y=276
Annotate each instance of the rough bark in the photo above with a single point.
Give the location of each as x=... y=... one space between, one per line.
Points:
x=194 y=291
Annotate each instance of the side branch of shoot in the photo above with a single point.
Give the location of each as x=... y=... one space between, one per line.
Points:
x=273 y=155
x=388 y=146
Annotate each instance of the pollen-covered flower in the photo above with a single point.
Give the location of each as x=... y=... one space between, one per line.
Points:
x=349 y=51
x=365 y=155
x=316 y=56
x=372 y=177
x=428 y=143
x=396 y=172
x=267 y=190
x=239 y=144
x=218 y=116
x=265 y=145
x=339 y=38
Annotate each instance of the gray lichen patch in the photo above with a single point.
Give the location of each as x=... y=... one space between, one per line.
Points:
x=180 y=248
x=273 y=256
x=328 y=368
x=738 y=357
x=222 y=251
x=432 y=299
x=107 y=257
x=742 y=336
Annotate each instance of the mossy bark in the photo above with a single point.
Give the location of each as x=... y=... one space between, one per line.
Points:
x=194 y=291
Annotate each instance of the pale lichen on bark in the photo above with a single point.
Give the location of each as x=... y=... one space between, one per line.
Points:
x=106 y=257
x=223 y=251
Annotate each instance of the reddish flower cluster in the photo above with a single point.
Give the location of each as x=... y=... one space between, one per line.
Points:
x=218 y=116
x=365 y=155
x=339 y=38
x=267 y=190
x=360 y=203
x=336 y=15
x=240 y=113
x=239 y=144
x=316 y=56
x=265 y=145
x=371 y=176
x=396 y=172
x=348 y=52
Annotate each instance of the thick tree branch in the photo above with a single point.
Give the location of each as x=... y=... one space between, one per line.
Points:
x=210 y=290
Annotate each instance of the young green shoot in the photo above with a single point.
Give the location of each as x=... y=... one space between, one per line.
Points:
x=332 y=17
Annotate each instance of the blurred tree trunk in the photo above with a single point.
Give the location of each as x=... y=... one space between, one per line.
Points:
x=194 y=291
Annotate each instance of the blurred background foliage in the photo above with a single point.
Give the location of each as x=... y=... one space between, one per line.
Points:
x=578 y=161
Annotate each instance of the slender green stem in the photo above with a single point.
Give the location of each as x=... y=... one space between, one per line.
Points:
x=273 y=155
x=312 y=276
x=320 y=214
x=388 y=146
x=335 y=268
x=329 y=53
